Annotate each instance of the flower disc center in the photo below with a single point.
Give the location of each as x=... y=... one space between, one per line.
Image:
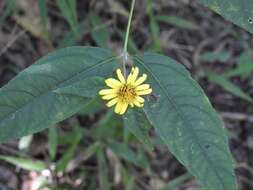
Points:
x=127 y=93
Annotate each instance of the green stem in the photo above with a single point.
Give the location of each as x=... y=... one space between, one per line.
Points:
x=125 y=53
x=129 y=25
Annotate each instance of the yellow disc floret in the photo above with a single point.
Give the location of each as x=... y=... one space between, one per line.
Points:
x=124 y=92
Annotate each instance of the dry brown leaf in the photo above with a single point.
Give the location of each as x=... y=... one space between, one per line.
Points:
x=28 y=17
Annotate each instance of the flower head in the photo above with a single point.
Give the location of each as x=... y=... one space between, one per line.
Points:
x=124 y=92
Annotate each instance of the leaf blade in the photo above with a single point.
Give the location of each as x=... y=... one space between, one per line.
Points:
x=236 y=11
x=24 y=163
x=32 y=90
x=135 y=120
x=199 y=138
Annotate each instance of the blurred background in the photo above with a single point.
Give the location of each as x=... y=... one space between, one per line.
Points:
x=92 y=150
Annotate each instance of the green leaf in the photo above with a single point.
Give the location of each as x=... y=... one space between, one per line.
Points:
x=124 y=151
x=237 y=11
x=52 y=141
x=135 y=120
x=69 y=153
x=24 y=163
x=68 y=9
x=185 y=120
x=74 y=35
x=103 y=172
x=176 y=21
x=87 y=88
x=244 y=67
x=106 y=127
x=99 y=33
x=32 y=101
x=93 y=106
x=154 y=28
x=130 y=184
x=176 y=183
x=215 y=56
x=227 y=85
x=91 y=150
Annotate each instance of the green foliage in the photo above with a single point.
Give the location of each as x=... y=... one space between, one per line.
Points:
x=68 y=9
x=25 y=163
x=51 y=90
x=106 y=127
x=63 y=83
x=154 y=28
x=52 y=141
x=67 y=81
x=175 y=183
x=125 y=152
x=93 y=106
x=227 y=85
x=177 y=21
x=244 y=67
x=71 y=37
x=99 y=33
x=130 y=184
x=69 y=153
x=135 y=120
x=215 y=56
x=187 y=123
x=103 y=171
x=237 y=11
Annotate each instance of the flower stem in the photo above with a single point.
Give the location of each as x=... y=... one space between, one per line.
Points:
x=125 y=53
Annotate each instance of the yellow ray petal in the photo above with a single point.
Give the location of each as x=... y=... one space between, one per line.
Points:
x=135 y=74
x=112 y=102
x=144 y=92
x=109 y=96
x=138 y=104
x=142 y=87
x=107 y=91
x=113 y=83
x=140 y=80
x=129 y=78
x=120 y=76
x=118 y=107
x=140 y=99
x=124 y=108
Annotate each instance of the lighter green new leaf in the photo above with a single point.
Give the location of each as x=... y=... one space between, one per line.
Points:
x=186 y=122
x=25 y=163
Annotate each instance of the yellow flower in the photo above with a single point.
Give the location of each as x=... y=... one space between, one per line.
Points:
x=124 y=92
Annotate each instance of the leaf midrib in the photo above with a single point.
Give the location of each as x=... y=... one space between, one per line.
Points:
x=101 y=62
x=182 y=118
